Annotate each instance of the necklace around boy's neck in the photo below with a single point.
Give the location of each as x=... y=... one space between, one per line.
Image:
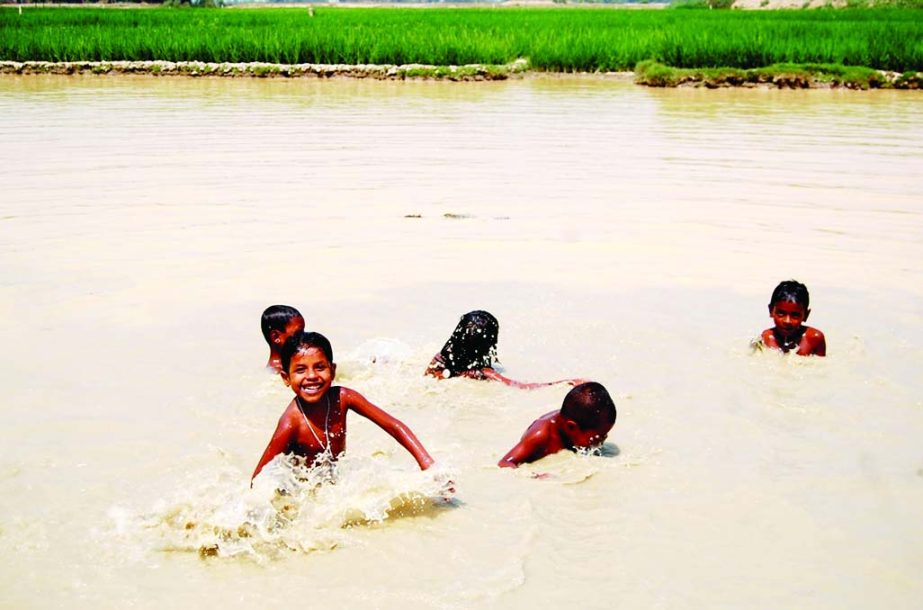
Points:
x=307 y=422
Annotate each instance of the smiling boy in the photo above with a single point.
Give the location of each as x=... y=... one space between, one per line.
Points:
x=314 y=423
x=583 y=422
x=788 y=308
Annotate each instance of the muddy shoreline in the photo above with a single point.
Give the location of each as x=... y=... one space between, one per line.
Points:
x=471 y=72
x=474 y=72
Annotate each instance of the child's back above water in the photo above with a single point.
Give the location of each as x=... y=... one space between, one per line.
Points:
x=583 y=422
x=471 y=352
x=788 y=308
x=314 y=423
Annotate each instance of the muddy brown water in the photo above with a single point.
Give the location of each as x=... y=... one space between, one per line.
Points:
x=623 y=234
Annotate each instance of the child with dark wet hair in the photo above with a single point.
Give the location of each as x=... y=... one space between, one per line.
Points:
x=583 y=422
x=279 y=322
x=789 y=309
x=471 y=352
x=313 y=426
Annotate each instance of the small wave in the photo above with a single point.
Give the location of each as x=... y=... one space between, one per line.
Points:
x=291 y=507
x=570 y=467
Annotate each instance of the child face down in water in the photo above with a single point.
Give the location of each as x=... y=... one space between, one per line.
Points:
x=471 y=351
x=278 y=323
x=789 y=310
x=314 y=422
x=583 y=422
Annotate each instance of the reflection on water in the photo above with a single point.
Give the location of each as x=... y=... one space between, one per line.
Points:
x=618 y=233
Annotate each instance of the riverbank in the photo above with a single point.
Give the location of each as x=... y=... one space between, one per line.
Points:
x=652 y=74
x=471 y=72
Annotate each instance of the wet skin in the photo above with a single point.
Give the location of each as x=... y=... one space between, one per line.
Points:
x=789 y=332
x=550 y=433
x=316 y=417
x=438 y=370
x=277 y=339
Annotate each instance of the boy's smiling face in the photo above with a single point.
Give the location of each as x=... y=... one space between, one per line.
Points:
x=310 y=374
x=788 y=316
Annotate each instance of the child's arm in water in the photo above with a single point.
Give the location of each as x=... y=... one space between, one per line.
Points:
x=350 y=399
x=538 y=441
x=279 y=442
x=489 y=373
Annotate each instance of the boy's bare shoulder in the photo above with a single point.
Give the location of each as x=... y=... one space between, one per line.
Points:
x=814 y=334
x=345 y=394
x=349 y=398
x=542 y=427
x=291 y=414
x=817 y=344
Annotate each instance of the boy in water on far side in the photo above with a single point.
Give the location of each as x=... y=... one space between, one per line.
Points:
x=279 y=322
x=583 y=422
x=472 y=350
x=313 y=426
x=788 y=308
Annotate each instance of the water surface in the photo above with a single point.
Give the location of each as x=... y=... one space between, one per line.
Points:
x=618 y=233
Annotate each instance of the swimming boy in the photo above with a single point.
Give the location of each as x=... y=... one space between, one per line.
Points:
x=314 y=424
x=583 y=422
x=279 y=322
x=788 y=308
x=472 y=350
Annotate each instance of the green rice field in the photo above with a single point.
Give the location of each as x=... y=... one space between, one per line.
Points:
x=556 y=40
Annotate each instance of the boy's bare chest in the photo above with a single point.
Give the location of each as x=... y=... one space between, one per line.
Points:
x=320 y=429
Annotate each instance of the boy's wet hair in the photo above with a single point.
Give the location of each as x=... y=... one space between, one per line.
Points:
x=589 y=405
x=473 y=344
x=791 y=291
x=277 y=317
x=303 y=341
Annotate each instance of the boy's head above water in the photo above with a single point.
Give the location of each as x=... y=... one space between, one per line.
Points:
x=789 y=306
x=279 y=322
x=588 y=415
x=792 y=292
x=307 y=365
x=473 y=344
x=583 y=422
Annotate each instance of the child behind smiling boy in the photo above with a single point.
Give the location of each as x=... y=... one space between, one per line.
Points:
x=472 y=350
x=313 y=426
x=279 y=322
x=788 y=308
x=583 y=422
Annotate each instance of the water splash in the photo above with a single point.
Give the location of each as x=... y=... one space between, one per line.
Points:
x=291 y=507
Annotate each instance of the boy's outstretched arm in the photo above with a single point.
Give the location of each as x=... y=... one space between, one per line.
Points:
x=277 y=444
x=350 y=399
x=490 y=373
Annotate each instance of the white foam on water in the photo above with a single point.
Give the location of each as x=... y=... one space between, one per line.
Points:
x=291 y=507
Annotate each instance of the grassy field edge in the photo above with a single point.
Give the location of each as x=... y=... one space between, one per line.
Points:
x=782 y=76
x=649 y=73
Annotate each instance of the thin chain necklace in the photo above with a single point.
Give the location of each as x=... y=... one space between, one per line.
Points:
x=326 y=423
